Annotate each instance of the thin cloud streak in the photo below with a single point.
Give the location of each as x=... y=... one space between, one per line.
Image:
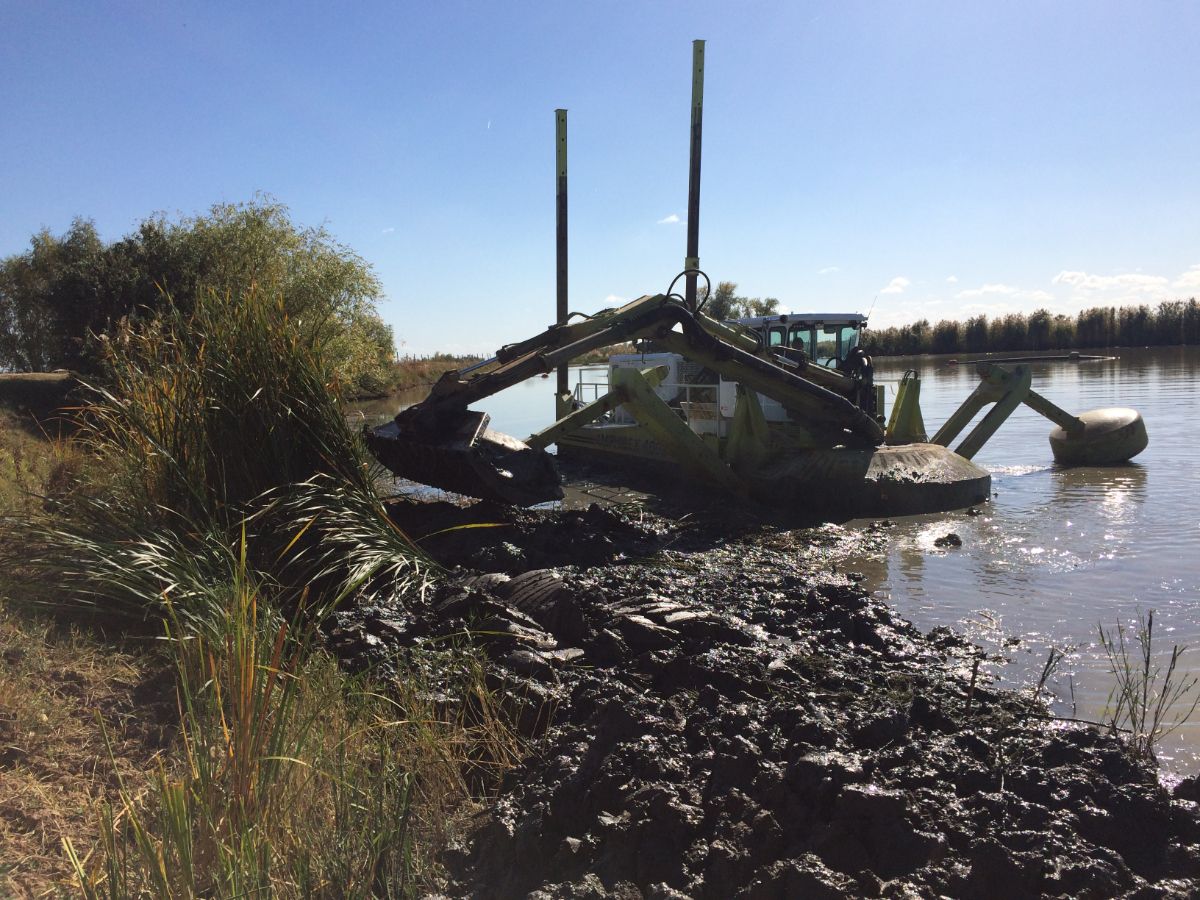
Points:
x=1005 y=290
x=1129 y=281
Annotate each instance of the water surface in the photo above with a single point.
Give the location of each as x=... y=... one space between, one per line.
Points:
x=1060 y=551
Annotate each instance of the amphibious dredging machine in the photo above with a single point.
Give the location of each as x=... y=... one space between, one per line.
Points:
x=778 y=409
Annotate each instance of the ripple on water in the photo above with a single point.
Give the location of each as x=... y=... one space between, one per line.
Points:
x=1059 y=551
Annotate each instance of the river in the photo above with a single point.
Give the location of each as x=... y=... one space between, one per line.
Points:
x=1057 y=552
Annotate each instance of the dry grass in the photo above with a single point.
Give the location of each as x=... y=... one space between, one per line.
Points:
x=61 y=690
x=422 y=371
x=34 y=462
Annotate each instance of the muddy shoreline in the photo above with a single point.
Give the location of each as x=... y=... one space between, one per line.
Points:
x=732 y=715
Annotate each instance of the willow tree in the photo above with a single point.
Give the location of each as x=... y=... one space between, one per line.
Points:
x=61 y=297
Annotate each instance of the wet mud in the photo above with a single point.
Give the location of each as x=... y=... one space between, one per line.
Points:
x=716 y=710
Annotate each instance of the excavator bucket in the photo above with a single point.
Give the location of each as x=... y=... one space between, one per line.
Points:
x=466 y=457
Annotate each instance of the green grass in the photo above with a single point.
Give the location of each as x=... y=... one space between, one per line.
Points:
x=213 y=489
x=224 y=420
x=291 y=782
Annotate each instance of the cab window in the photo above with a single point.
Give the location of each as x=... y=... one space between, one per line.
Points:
x=800 y=337
x=835 y=343
x=848 y=340
x=827 y=346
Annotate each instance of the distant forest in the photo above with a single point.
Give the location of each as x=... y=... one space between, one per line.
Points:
x=1171 y=322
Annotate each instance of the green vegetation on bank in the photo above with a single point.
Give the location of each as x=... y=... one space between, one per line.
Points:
x=1170 y=323
x=214 y=497
x=422 y=371
x=62 y=298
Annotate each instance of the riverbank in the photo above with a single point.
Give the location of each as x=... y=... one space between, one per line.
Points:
x=701 y=704
x=420 y=372
x=412 y=372
x=732 y=715
x=710 y=706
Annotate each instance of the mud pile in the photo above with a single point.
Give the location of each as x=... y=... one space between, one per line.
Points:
x=732 y=717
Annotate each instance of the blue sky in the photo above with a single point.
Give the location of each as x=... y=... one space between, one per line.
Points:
x=929 y=159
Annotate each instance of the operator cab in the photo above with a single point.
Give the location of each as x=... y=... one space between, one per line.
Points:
x=825 y=338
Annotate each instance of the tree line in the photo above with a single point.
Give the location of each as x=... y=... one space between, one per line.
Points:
x=62 y=299
x=1171 y=322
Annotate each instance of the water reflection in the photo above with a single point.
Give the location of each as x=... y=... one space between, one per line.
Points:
x=1059 y=550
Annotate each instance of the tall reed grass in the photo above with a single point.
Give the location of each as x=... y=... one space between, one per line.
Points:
x=228 y=498
x=294 y=780
x=222 y=419
x=204 y=412
x=288 y=784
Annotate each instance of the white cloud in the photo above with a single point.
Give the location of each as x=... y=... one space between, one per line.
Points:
x=1127 y=287
x=614 y=300
x=1006 y=290
x=1002 y=290
x=1068 y=292
x=672 y=219
x=829 y=270
x=387 y=230
x=1129 y=282
x=1189 y=280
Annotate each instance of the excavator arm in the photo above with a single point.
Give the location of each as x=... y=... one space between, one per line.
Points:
x=441 y=442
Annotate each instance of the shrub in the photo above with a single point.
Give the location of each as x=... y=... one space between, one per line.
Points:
x=65 y=290
x=209 y=420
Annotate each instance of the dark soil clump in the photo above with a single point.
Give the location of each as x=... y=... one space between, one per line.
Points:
x=731 y=717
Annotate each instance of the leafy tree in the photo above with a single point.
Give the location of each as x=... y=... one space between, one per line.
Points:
x=65 y=290
x=975 y=334
x=1037 y=331
x=726 y=304
x=1062 y=334
x=753 y=306
x=945 y=337
x=46 y=308
x=721 y=304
